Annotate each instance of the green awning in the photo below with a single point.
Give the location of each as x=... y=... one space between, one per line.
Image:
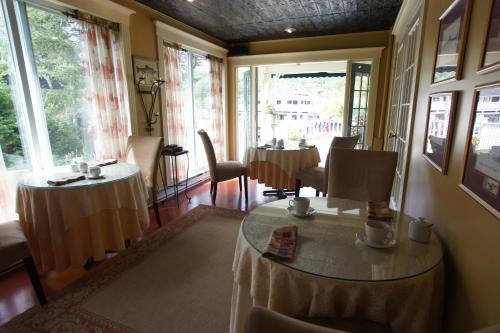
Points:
x=311 y=75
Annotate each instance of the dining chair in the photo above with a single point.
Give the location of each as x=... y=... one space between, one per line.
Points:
x=222 y=171
x=262 y=320
x=145 y=152
x=13 y=249
x=316 y=177
x=362 y=175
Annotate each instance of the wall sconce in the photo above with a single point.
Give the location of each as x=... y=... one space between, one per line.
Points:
x=151 y=116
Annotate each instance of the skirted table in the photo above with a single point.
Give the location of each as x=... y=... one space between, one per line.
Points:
x=334 y=274
x=66 y=225
x=277 y=168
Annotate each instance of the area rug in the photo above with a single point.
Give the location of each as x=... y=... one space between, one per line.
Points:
x=178 y=279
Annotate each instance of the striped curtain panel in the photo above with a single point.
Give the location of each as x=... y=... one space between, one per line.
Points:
x=107 y=88
x=176 y=133
x=216 y=107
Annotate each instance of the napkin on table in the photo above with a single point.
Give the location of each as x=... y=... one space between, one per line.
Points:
x=282 y=243
x=65 y=180
x=107 y=162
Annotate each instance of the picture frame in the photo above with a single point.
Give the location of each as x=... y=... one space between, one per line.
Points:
x=480 y=176
x=439 y=127
x=451 y=41
x=489 y=59
x=145 y=72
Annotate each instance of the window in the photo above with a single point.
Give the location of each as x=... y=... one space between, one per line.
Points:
x=294 y=102
x=278 y=101
x=47 y=105
x=495 y=99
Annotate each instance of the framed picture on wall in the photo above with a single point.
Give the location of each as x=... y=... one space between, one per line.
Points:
x=481 y=169
x=490 y=54
x=450 y=47
x=145 y=72
x=439 y=128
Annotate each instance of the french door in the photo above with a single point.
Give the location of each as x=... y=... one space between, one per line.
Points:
x=402 y=106
x=358 y=105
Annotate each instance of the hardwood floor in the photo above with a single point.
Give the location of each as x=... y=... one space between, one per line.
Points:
x=17 y=295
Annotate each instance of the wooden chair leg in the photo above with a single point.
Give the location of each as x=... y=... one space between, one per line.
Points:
x=157 y=213
x=246 y=187
x=317 y=193
x=214 y=194
x=211 y=187
x=298 y=184
x=35 y=279
x=239 y=181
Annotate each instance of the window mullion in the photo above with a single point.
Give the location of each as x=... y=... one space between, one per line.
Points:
x=31 y=88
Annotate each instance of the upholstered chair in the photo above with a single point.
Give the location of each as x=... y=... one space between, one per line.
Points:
x=262 y=320
x=13 y=249
x=316 y=177
x=222 y=171
x=145 y=152
x=362 y=175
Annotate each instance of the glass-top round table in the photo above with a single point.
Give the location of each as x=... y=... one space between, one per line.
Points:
x=327 y=244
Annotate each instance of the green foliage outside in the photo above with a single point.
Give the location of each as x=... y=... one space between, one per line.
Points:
x=56 y=53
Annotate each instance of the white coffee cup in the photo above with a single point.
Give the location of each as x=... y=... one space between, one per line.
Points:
x=84 y=167
x=300 y=205
x=95 y=171
x=378 y=231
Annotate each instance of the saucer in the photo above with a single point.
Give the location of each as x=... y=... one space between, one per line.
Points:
x=95 y=177
x=360 y=235
x=310 y=212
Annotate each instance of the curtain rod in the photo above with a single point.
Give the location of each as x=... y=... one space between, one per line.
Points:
x=86 y=17
x=179 y=47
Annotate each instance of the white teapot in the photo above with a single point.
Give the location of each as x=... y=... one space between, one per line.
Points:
x=420 y=230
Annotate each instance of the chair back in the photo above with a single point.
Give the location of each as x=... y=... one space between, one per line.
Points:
x=362 y=175
x=348 y=142
x=145 y=151
x=209 y=150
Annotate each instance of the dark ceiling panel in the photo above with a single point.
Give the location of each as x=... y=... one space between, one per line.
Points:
x=235 y=21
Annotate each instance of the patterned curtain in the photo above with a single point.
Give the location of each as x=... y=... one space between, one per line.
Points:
x=176 y=133
x=216 y=108
x=107 y=89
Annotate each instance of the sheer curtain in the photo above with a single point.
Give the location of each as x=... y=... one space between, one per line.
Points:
x=6 y=205
x=216 y=107
x=107 y=89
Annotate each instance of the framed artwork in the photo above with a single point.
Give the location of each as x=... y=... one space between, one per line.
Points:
x=145 y=72
x=481 y=169
x=453 y=27
x=490 y=54
x=439 y=129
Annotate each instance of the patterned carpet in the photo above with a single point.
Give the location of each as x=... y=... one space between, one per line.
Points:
x=178 y=279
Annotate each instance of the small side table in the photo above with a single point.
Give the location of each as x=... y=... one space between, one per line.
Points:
x=175 y=173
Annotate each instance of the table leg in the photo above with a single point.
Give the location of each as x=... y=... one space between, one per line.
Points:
x=187 y=177
x=176 y=181
x=164 y=183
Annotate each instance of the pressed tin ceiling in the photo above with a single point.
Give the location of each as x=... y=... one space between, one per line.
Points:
x=235 y=21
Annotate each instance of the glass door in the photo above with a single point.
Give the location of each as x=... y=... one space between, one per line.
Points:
x=243 y=111
x=358 y=105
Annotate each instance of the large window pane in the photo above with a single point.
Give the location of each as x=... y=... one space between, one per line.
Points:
x=201 y=110
x=56 y=49
x=11 y=144
x=243 y=110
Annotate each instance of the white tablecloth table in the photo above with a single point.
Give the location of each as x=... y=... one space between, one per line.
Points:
x=65 y=225
x=333 y=274
x=277 y=168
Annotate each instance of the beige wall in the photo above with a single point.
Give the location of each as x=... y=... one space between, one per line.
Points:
x=471 y=235
x=320 y=43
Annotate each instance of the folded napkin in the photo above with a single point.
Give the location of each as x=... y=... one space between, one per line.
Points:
x=379 y=210
x=282 y=243
x=65 y=180
x=107 y=162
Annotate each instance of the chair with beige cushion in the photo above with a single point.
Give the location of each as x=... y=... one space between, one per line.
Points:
x=362 y=175
x=145 y=152
x=13 y=249
x=262 y=320
x=221 y=171
x=316 y=177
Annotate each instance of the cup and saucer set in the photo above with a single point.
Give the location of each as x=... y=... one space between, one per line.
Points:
x=301 y=207
x=377 y=234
